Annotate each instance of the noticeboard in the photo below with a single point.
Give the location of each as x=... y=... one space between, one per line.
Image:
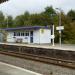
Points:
x=60 y=28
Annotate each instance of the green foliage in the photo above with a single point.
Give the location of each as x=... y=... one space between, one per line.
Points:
x=19 y=21
x=1 y=19
x=71 y=15
x=69 y=33
x=49 y=11
x=9 y=21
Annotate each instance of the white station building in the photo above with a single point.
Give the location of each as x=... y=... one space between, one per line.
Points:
x=31 y=34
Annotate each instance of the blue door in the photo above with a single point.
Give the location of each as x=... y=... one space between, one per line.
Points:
x=31 y=37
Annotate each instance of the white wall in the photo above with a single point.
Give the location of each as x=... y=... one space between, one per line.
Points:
x=10 y=37
x=26 y=39
x=36 y=36
x=40 y=37
x=45 y=36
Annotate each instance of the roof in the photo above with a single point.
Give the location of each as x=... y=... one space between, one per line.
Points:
x=27 y=28
x=1 y=1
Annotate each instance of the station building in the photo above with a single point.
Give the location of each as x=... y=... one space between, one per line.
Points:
x=31 y=34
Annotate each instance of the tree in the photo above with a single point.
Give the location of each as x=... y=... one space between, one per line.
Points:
x=22 y=20
x=49 y=10
x=71 y=15
x=18 y=21
x=69 y=33
x=9 y=21
x=26 y=18
x=51 y=15
x=2 y=19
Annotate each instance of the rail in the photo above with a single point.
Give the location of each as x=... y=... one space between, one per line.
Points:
x=43 y=59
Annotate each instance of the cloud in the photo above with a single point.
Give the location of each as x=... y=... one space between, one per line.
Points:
x=16 y=7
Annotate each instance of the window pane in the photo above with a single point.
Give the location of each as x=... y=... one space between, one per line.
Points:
x=22 y=33
x=19 y=34
x=14 y=33
x=27 y=34
x=31 y=33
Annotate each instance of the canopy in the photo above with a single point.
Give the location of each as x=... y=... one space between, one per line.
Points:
x=1 y=1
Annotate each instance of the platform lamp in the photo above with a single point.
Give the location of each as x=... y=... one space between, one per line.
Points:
x=7 y=21
x=60 y=28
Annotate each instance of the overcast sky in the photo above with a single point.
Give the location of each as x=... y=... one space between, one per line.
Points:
x=16 y=7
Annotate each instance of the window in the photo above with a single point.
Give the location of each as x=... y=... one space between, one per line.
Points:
x=14 y=34
x=22 y=33
x=27 y=34
x=18 y=33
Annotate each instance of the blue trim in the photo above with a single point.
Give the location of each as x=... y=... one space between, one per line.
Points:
x=27 y=28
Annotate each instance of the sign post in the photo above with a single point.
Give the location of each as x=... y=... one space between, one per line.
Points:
x=60 y=28
x=52 y=36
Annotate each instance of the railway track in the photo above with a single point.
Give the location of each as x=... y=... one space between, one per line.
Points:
x=43 y=59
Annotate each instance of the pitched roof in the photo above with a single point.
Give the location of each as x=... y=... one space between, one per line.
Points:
x=27 y=28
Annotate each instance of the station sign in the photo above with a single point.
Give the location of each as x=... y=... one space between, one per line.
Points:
x=60 y=28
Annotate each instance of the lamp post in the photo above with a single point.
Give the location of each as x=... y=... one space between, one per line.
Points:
x=53 y=35
x=7 y=21
x=60 y=27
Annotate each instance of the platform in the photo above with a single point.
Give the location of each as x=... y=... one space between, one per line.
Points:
x=6 y=69
x=69 y=47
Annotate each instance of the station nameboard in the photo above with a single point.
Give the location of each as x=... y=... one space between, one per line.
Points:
x=60 y=28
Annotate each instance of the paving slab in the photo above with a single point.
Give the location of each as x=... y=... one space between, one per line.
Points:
x=7 y=69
